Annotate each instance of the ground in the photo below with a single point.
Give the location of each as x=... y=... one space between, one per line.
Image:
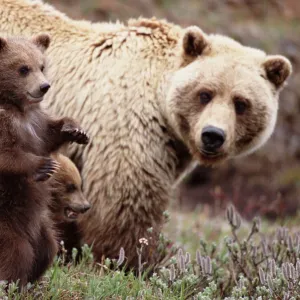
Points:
x=191 y=231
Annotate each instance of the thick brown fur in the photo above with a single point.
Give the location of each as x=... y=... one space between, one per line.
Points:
x=67 y=202
x=28 y=136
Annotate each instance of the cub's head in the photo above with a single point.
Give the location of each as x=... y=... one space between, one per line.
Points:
x=68 y=200
x=223 y=100
x=22 y=65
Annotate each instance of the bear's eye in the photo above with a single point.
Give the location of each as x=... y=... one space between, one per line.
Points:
x=70 y=188
x=42 y=68
x=24 y=70
x=240 y=106
x=205 y=97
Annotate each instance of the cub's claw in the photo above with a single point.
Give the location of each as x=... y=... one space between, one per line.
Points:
x=76 y=135
x=47 y=168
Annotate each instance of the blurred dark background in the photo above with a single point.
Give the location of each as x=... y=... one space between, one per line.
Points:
x=267 y=182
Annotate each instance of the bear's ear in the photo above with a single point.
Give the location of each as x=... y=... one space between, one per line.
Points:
x=3 y=43
x=41 y=40
x=278 y=69
x=194 y=41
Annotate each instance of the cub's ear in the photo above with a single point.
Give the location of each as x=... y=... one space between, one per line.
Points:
x=194 y=41
x=42 y=40
x=3 y=43
x=278 y=69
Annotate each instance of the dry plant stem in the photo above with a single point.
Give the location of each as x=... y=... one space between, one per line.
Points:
x=236 y=239
x=140 y=264
x=166 y=261
x=199 y=285
x=251 y=233
x=236 y=258
x=256 y=264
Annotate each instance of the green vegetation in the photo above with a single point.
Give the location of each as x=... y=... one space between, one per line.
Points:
x=231 y=260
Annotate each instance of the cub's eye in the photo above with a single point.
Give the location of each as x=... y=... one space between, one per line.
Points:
x=240 y=106
x=24 y=70
x=42 y=68
x=205 y=97
x=70 y=188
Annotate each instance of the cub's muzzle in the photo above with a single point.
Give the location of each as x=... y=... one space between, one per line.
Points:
x=44 y=88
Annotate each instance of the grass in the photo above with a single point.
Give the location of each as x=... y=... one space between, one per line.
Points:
x=216 y=261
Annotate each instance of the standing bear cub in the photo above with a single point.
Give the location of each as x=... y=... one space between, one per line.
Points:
x=28 y=136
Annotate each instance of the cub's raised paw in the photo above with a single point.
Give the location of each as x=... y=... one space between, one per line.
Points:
x=46 y=169
x=76 y=135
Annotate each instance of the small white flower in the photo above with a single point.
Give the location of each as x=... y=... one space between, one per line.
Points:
x=143 y=241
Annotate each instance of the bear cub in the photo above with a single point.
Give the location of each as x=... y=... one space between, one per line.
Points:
x=28 y=137
x=67 y=203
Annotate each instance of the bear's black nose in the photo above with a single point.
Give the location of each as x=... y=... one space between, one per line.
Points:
x=85 y=208
x=213 y=138
x=44 y=87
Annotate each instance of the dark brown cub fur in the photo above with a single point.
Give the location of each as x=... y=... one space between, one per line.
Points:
x=28 y=136
x=68 y=202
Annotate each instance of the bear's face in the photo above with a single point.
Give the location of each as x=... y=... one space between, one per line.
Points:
x=223 y=102
x=68 y=200
x=22 y=70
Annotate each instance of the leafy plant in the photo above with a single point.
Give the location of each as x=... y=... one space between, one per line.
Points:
x=242 y=265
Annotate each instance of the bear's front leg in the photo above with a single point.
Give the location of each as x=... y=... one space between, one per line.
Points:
x=64 y=131
x=46 y=168
x=72 y=132
x=18 y=162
